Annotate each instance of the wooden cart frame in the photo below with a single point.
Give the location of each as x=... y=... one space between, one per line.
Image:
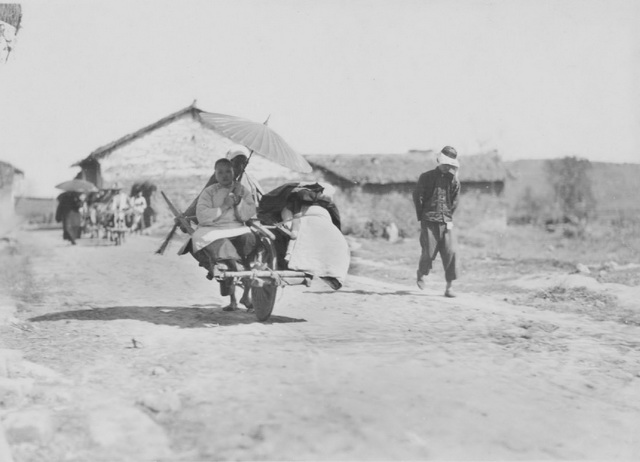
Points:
x=265 y=278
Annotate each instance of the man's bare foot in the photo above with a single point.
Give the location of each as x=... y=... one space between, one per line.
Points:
x=420 y=282
x=450 y=293
x=230 y=308
x=246 y=301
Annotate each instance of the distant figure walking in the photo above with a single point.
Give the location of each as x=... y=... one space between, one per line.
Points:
x=436 y=198
x=119 y=206
x=68 y=212
x=139 y=205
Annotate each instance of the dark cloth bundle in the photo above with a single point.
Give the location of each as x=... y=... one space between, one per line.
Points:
x=294 y=196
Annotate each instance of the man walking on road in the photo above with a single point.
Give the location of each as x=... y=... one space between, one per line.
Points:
x=436 y=198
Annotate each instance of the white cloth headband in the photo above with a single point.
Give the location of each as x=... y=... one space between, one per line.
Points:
x=444 y=159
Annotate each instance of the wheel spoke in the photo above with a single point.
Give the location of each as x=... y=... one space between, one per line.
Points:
x=264 y=297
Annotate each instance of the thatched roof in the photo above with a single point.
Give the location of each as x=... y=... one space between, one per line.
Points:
x=7 y=174
x=405 y=168
x=11 y=13
x=107 y=149
x=7 y=167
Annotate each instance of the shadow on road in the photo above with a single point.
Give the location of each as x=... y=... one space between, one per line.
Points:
x=186 y=317
x=371 y=292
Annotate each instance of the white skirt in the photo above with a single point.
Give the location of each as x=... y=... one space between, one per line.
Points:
x=320 y=248
x=205 y=235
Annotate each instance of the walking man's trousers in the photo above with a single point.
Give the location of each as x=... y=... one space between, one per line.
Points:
x=434 y=238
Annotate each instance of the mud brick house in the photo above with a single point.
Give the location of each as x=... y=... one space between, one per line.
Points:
x=39 y=211
x=14 y=202
x=381 y=185
x=11 y=183
x=176 y=154
x=385 y=173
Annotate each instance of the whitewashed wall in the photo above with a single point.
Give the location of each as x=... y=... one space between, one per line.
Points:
x=179 y=158
x=184 y=148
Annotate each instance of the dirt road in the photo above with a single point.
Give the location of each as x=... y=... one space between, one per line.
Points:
x=373 y=371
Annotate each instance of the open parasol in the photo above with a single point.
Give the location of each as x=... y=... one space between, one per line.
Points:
x=76 y=185
x=257 y=137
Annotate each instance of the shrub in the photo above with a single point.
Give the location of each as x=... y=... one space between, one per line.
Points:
x=532 y=208
x=572 y=186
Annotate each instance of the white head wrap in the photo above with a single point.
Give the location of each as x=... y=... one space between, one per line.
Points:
x=448 y=160
x=237 y=150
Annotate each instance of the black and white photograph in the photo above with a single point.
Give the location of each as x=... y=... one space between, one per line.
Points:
x=301 y=230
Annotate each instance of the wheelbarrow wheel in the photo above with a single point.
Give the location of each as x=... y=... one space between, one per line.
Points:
x=264 y=297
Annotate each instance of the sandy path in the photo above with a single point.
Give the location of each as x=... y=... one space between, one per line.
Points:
x=374 y=371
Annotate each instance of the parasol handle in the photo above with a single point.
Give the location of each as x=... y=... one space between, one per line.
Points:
x=245 y=166
x=266 y=122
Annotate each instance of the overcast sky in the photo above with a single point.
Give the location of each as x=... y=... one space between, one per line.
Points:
x=531 y=78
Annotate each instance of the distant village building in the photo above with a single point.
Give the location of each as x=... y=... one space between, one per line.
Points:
x=376 y=189
x=11 y=182
x=176 y=153
x=37 y=210
x=385 y=173
x=11 y=185
x=13 y=201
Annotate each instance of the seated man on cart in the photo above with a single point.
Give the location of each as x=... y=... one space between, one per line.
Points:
x=222 y=241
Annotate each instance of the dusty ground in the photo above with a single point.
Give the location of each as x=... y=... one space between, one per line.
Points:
x=377 y=370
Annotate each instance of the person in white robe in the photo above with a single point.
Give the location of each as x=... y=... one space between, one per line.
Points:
x=222 y=238
x=319 y=246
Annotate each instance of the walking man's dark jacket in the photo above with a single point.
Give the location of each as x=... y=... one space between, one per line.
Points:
x=436 y=196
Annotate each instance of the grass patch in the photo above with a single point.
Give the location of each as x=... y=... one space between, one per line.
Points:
x=580 y=300
x=584 y=296
x=491 y=258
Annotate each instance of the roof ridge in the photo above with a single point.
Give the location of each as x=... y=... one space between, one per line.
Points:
x=405 y=167
x=108 y=148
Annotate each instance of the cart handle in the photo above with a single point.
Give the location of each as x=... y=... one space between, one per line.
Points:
x=261 y=229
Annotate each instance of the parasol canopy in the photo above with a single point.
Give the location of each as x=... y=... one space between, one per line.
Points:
x=257 y=137
x=76 y=185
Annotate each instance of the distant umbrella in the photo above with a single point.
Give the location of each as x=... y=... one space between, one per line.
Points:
x=257 y=137
x=146 y=187
x=81 y=186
